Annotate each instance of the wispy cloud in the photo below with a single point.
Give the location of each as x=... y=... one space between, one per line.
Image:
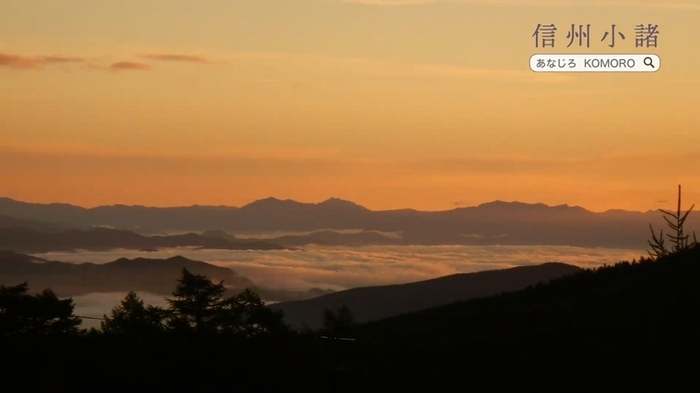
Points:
x=20 y=62
x=60 y=59
x=176 y=58
x=24 y=62
x=129 y=65
x=357 y=66
x=536 y=3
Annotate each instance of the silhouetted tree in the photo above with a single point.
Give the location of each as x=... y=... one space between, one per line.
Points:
x=40 y=314
x=134 y=318
x=679 y=240
x=247 y=314
x=336 y=322
x=196 y=303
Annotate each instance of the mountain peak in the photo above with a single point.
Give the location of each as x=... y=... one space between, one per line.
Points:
x=269 y=202
x=514 y=204
x=272 y=202
x=337 y=202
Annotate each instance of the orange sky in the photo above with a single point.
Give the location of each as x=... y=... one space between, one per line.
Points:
x=426 y=106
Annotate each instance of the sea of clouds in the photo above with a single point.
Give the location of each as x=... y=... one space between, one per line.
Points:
x=340 y=268
x=348 y=267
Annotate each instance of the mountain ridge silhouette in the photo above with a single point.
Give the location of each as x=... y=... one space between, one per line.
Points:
x=384 y=301
x=496 y=222
x=327 y=202
x=121 y=275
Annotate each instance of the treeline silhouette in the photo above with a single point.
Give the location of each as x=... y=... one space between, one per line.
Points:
x=627 y=327
x=203 y=340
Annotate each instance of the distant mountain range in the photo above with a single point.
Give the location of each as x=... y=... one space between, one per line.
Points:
x=374 y=303
x=32 y=237
x=506 y=223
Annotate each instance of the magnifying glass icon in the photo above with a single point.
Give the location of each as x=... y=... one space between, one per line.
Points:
x=648 y=62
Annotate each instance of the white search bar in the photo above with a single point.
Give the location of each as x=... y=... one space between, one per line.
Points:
x=595 y=63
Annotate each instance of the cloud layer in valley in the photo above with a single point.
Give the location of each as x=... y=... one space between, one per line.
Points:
x=342 y=267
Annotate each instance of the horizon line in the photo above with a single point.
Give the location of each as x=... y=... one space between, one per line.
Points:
x=322 y=202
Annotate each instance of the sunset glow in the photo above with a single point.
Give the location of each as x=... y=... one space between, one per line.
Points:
x=428 y=106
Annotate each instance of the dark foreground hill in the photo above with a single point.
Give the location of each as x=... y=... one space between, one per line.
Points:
x=622 y=328
x=372 y=303
x=156 y=276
